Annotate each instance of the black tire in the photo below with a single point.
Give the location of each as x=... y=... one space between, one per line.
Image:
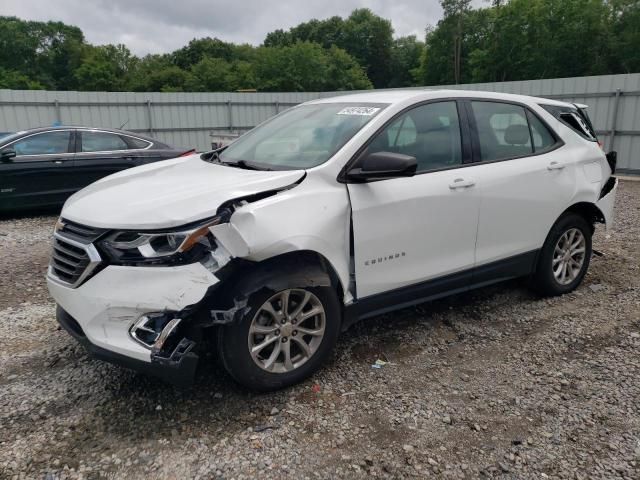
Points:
x=543 y=280
x=233 y=344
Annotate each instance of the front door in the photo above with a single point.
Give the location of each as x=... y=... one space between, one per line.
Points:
x=418 y=231
x=39 y=173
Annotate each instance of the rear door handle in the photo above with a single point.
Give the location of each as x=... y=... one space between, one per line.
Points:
x=57 y=161
x=555 y=166
x=461 y=183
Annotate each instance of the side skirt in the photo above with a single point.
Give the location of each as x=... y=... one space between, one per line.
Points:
x=481 y=276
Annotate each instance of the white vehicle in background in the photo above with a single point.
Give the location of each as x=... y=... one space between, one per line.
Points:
x=335 y=210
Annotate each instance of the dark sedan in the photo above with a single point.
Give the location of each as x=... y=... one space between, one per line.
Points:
x=44 y=166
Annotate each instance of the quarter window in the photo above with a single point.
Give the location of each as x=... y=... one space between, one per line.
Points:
x=102 y=142
x=137 y=143
x=430 y=133
x=48 y=143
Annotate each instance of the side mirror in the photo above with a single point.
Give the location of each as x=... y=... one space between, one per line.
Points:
x=7 y=155
x=383 y=165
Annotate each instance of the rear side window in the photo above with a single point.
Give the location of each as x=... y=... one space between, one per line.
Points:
x=102 y=142
x=503 y=130
x=508 y=131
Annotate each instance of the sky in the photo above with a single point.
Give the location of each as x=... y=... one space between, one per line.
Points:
x=160 y=26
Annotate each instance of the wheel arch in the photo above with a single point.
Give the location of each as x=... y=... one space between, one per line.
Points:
x=242 y=277
x=589 y=211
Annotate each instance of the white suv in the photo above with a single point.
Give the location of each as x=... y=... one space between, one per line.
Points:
x=335 y=210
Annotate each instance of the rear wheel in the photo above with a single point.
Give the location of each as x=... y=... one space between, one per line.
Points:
x=283 y=338
x=565 y=256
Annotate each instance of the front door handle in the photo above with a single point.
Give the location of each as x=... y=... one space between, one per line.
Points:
x=461 y=183
x=57 y=161
x=555 y=166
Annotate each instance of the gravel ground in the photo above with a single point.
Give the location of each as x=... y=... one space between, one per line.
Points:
x=494 y=383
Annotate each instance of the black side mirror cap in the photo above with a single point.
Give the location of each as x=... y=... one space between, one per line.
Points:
x=382 y=165
x=7 y=155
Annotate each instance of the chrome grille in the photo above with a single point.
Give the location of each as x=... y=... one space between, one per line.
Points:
x=67 y=261
x=73 y=256
x=80 y=233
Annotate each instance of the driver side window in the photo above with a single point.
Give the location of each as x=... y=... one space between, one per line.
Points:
x=47 y=143
x=430 y=133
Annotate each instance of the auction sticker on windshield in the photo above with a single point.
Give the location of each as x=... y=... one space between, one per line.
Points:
x=365 y=111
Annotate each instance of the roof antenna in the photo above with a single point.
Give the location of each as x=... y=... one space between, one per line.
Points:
x=122 y=126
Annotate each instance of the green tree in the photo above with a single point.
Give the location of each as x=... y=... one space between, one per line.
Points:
x=198 y=49
x=17 y=81
x=456 y=11
x=368 y=38
x=210 y=75
x=48 y=52
x=243 y=76
x=105 y=68
x=529 y=39
x=58 y=54
x=625 y=35
x=306 y=66
x=18 y=47
x=300 y=67
x=344 y=73
x=406 y=54
x=156 y=73
x=365 y=36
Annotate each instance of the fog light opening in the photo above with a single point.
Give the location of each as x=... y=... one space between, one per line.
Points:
x=153 y=330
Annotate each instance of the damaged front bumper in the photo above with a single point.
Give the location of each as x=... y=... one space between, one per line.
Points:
x=178 y=369
x=104 y=312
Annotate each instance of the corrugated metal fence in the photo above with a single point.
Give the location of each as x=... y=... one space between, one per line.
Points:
x=194 y=119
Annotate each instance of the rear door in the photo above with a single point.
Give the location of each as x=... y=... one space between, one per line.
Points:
x=525 y=181
x=39 y=173
x=101 y=153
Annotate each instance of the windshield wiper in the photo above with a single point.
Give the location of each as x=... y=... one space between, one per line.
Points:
x=245 y=165
x=213 y=155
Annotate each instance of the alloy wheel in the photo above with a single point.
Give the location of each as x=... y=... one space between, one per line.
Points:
x=287 y=330
x=569 y=256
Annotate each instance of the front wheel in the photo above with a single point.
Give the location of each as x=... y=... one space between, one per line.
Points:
x=564 y=258
x=282 y=339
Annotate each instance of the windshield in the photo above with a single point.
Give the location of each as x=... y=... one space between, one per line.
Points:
x=302 y=137
x=6 y=137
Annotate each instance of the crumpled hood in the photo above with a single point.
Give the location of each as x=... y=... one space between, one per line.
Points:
x=168 y=194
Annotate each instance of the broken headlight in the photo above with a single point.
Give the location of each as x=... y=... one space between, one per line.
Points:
x=177 y=246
